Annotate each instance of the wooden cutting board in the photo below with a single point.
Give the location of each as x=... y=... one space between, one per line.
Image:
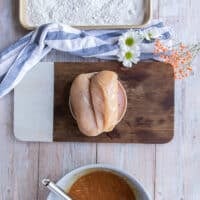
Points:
x=150 y=112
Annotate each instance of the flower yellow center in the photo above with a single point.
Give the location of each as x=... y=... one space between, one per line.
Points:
x=130 y=41
x=128 y=55
x=150 y=35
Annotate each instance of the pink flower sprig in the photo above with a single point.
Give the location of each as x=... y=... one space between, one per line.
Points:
x=179 y=56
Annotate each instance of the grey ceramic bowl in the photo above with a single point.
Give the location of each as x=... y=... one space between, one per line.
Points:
x=67 y=181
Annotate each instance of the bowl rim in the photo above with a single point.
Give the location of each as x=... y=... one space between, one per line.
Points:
x=120 y=171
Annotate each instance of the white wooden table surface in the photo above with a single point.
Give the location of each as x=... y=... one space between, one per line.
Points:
x=169 y=172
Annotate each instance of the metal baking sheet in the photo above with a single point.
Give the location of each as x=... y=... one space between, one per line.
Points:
x=25 y=22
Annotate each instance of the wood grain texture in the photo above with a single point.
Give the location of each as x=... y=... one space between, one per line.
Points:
x=169 y=171
x=179 y=158
x=18 y=161
x=59 y=158
x=150 y=111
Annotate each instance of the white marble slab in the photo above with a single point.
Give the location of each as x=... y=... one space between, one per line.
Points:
x=33 y=105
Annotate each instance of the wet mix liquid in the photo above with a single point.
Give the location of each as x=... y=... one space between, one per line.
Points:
x=101 y=185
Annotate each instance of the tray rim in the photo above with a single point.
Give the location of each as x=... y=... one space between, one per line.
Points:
x=146 y=20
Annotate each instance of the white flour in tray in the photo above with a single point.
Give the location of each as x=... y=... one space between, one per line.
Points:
x=85 y=12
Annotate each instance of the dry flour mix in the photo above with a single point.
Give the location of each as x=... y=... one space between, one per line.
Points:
x=85 y=12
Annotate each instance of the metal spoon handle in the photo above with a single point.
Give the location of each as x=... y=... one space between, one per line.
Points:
x=55 y=189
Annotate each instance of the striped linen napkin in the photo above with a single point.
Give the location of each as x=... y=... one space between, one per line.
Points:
x=19 y=58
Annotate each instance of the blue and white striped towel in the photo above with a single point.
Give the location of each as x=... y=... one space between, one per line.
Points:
x=19 y=58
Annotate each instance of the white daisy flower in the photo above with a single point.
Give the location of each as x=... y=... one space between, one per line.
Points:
x=152 y=33
x=129 y=39
x=128 y=56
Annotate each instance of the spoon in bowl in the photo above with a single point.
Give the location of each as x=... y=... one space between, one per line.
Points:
x=55 y=189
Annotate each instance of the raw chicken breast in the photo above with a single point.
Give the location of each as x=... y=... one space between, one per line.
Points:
x=81 y=105
x=94 y=99
x=104 y=93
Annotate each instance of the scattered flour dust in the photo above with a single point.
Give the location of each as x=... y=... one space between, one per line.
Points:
x=85 y=12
